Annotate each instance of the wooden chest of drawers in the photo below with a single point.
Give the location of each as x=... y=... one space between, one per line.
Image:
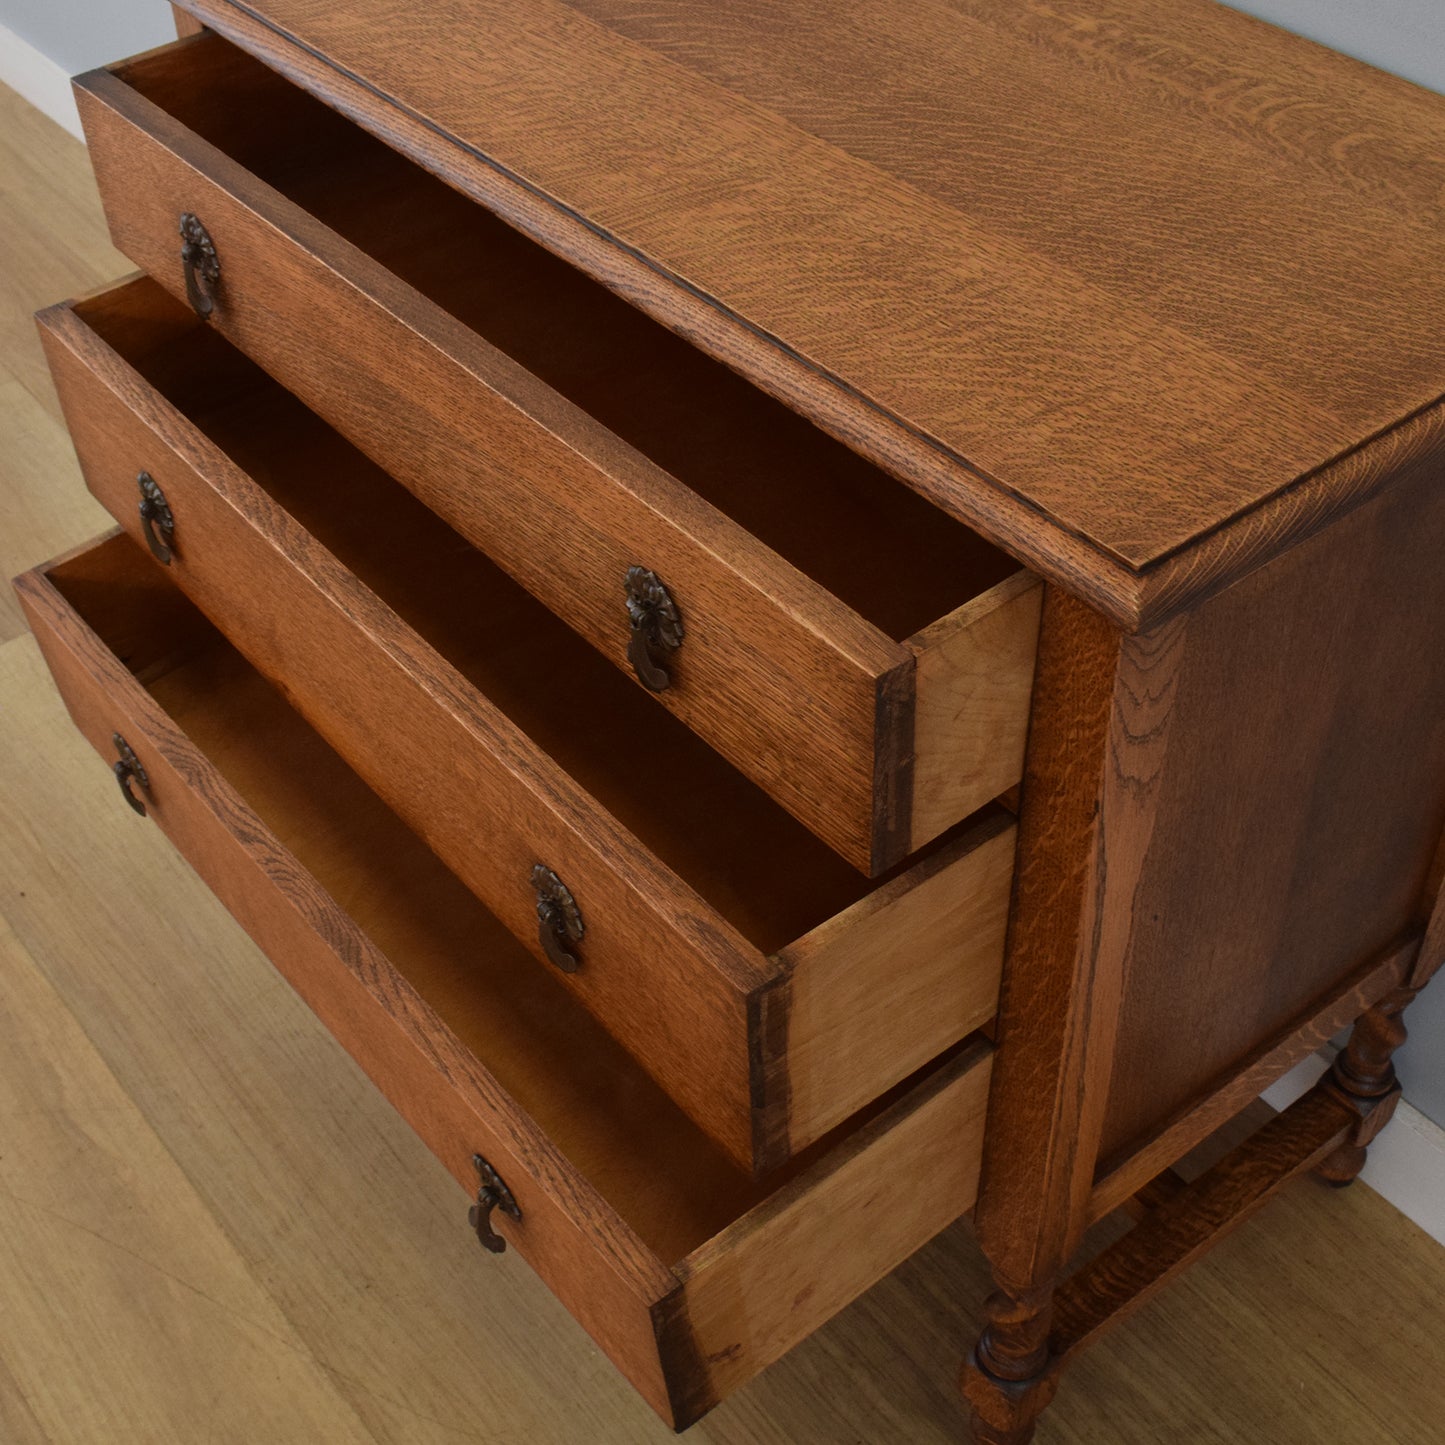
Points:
x=669 y=555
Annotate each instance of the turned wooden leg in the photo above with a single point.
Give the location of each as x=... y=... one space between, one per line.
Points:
x=1010 y=1377
x=1364 y=1077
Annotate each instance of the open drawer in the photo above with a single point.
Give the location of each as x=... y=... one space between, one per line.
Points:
x=687 y=1273
x=769 y=987
x=862 y=657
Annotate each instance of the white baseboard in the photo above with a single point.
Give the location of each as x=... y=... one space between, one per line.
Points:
x=1406 y=1163
x=38 y=78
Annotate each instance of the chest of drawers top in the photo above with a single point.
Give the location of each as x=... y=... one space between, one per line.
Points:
x=1130 y=293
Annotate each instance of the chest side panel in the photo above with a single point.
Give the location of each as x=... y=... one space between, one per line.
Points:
x=1301 y=799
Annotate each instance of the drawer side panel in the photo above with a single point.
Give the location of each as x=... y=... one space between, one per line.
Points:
x=789 y=1266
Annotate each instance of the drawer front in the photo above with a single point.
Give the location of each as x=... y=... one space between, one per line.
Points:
x=685 y=1330
x=794 y=688
x=766 y=1053
x=876 y=740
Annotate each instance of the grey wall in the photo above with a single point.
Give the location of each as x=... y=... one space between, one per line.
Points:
x=1422 y=1060
x=1405 y=36
x=81 y=34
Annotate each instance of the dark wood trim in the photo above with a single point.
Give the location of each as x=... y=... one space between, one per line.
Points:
x=1126 y=1275
x=893 y=753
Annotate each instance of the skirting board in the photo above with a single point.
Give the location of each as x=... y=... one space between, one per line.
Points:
x=37 y=78
x=1406 y=1163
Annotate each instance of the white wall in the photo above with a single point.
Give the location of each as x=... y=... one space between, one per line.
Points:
x=81 y=34
x=52 y=38
x=44 y=42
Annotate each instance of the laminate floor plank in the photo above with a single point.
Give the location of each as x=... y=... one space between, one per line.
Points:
x=164 y=1090
x=125 y=1313
x=52 y=235
x=44 y=506
x=53 y=243
x=18 y=1425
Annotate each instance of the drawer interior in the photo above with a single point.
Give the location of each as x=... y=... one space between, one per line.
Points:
x=743 y=853
x=671 y=1184
x=879 y=547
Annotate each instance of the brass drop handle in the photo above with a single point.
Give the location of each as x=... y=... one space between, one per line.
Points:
x=200 y=263
x=127 y=768
x=156 y=519
x=491 y=1194
x=559 y=921
x=656 y=628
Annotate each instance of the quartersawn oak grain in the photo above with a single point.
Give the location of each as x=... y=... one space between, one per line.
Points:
x=1106 y=399
x=685 y=1329
x=570 y=437
x=760 y=979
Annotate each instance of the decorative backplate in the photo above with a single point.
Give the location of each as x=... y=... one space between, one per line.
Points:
x=656 y=627
x=492 y=1194
x=156 y=520
x=128 y=768
x=559 y=920
x=200 y=263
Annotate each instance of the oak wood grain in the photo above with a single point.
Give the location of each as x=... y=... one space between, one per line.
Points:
x=571 y=438
x=918 y=1163
x=267 y=1120
x=900 y=976
x=972 y=681
x=695 y=938
x=418 y=1024
x=1230 y=1095
x=1301 y=803
x=980 y=305
x=1101 y=732
x=1055 y=1022
x=455 y=1104
x=1172 y=1236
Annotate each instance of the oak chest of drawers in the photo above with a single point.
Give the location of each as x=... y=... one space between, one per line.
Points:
x=791 y=624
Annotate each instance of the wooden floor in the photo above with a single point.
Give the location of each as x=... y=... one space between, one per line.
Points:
x=215 y=1230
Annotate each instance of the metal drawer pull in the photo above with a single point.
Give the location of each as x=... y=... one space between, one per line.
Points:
x=201 y=264
x=128 y=767
x=656 y=627
x=156 y=517
x=559 y=921
x=491 y=1194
